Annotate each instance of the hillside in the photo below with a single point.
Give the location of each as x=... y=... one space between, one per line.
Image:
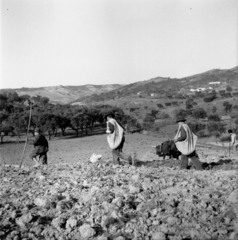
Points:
x=169 y=87
x=64 y=94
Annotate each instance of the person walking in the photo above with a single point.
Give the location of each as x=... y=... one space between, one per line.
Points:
x=234 y=143
x=116 y=139
x=41 y=147
x=185 y=141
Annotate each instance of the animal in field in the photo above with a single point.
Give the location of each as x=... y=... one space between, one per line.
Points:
x=167 y=148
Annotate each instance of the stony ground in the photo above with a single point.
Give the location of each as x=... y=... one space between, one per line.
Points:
x=73 y=198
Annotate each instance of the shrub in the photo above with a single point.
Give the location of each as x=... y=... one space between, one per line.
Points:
x=181 y=113
x=196 y=126
x=160 y=105
x=213 y=117
x=216 y=128
x=201 y=133
x=199 y=113
x=148 y=122
x=210 y=97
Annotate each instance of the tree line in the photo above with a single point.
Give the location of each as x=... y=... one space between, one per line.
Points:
x=53 y=118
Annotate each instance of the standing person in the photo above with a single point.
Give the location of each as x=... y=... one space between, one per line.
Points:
x=185 y=142
x=234 y=143
x=41 y=147
x=116 y=140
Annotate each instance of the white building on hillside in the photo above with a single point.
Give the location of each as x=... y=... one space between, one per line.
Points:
x=214 y=83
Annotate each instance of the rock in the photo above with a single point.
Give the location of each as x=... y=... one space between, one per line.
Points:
x=233 y=197
x=102 y=238
x=135 y=177
x=40 y=202
x=172 y=220
x=233 y=236
x=134 y=189
x=158 y=236
x=86 y=197
x=86 y=231
x=24 y=219
x=119 y=238
x=71 y=223
x=41 y=178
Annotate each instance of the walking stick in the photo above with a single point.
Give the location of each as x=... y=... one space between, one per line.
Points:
x=29 y=123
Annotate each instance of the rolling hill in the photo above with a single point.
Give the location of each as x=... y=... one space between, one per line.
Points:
x=155 y=88
x=65 y=94
x=169 y=87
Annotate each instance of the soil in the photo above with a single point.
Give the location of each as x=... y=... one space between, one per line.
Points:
x=72 y=198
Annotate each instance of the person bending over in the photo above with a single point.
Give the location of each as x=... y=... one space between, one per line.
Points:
x=116 y=140
x=185 y=142
x=41 y=147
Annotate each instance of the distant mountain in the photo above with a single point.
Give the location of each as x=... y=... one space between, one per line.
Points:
x=65 y=94
x=168 y=87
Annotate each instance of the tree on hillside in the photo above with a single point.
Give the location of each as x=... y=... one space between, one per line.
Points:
x=76 y=122
x=214 y=118
x=196 y=127
x=154 y=113
x=49 y=124
x=181 y=113
x=160 y=105
x=5 y=129
x=62 y=123
x=214 y=109
x=229 y=88
x=148 y=121
x=227 y=107
x=17 y=121
x=189 y=105
x=216 y=128
x=199 y=113
x=93 y=114
x=210 y=97
x=167 y=104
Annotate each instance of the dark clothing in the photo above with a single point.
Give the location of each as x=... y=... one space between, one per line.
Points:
x=41 y=141
x=117 y=154
x=183 y=135
x=194 y=160
x=111 y=127
x=41 y=147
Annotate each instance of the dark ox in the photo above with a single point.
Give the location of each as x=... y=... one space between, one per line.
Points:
x=167 y=148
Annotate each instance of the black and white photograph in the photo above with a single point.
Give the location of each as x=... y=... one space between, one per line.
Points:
x=119 y=120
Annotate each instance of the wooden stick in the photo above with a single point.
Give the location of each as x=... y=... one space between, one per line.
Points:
x=29 y=123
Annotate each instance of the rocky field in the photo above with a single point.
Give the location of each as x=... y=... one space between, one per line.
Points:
x=73 y=198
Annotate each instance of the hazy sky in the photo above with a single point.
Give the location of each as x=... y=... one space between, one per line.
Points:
x=77 y=42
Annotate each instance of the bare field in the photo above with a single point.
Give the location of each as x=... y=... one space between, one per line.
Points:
x=78 y=150
x=72 y=198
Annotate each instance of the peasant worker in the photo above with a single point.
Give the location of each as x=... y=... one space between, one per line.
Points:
x=185 y=141
x=234 y=143
x=116 y=140
x=41 y=147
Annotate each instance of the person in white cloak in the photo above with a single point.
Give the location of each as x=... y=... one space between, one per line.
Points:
x=234 y=143
x=116 y=140
x=185 y=141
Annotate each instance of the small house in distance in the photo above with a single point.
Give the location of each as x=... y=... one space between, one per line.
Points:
x=225 y=118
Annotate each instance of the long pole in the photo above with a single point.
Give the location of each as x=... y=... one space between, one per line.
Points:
x=29 y=123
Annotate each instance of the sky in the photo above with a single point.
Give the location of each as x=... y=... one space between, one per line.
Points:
x=78 y=42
